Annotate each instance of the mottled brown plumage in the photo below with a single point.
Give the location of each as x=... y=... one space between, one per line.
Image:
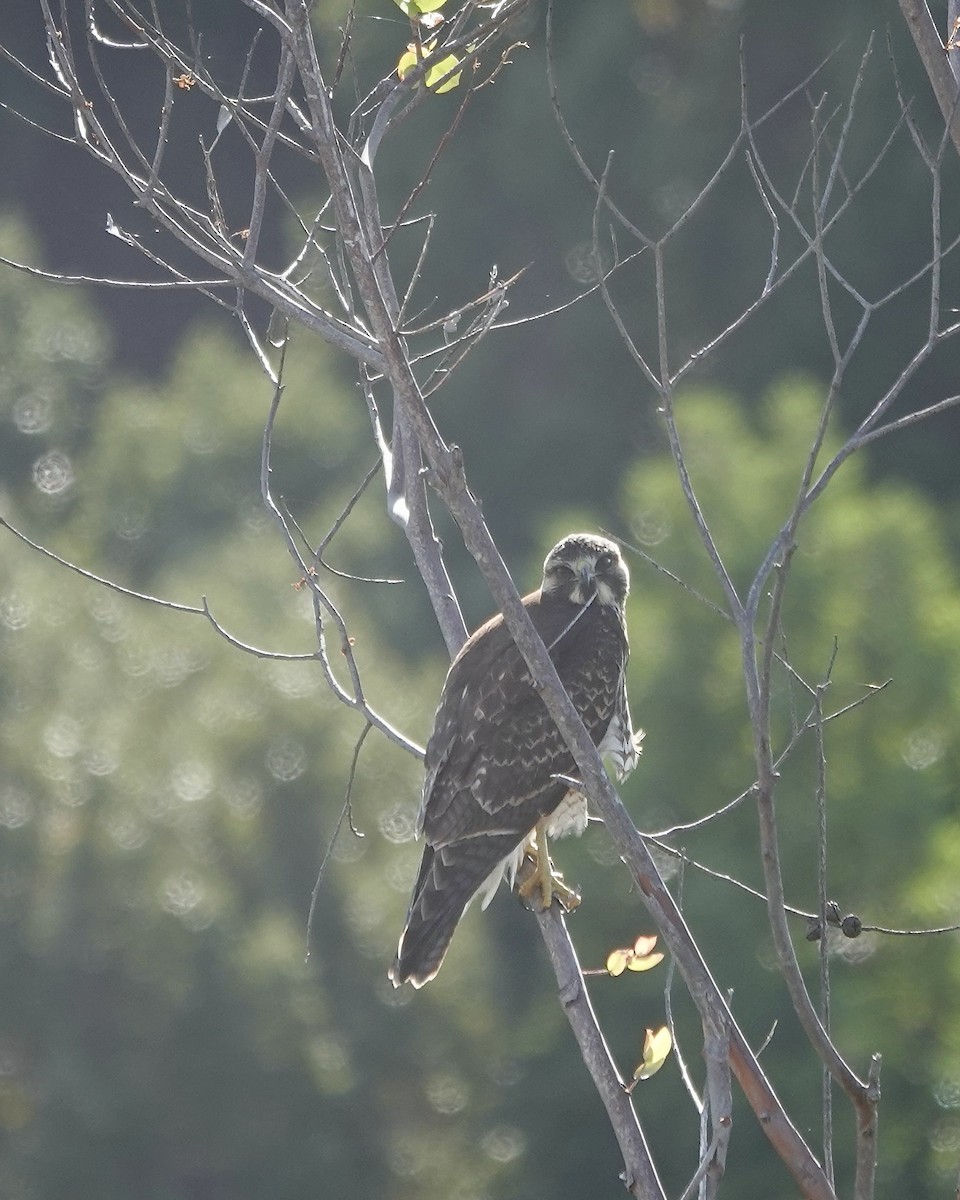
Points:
x=495 y=752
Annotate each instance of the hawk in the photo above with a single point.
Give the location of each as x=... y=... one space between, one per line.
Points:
x=497 y=767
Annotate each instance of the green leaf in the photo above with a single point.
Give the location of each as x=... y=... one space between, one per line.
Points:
x=407 y=62
x=436 y=75
x=413 y=8
x=440 y=71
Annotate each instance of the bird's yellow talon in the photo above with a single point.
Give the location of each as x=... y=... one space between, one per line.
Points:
x=538 y=883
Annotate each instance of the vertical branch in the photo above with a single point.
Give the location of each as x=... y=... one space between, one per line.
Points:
x=408 y=504
x=936 y=238
x=865 y=1178
x=821 y=793
x=666 y=409
x=286 y=73
x=420 y=533
x=719 y=1093
x=783 y=942
x=407 y=498
x=819 y=202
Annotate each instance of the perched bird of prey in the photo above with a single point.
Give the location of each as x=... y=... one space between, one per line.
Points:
x=494 y=789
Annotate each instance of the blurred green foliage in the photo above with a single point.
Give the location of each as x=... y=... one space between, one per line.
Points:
x=166 y=799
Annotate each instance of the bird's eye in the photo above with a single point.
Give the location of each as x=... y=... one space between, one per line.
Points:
x=563 y=570
x=605 y=561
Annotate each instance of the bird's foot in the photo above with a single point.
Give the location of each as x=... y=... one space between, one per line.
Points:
x=538 y=884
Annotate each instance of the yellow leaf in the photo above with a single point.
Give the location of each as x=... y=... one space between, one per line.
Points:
x=638 y=957
x=617 y=961
x=407 y=62
x=644 y=962
x=656 y=1049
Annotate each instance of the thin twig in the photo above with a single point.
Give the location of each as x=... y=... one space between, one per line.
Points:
x=104 y=582
x=345 y=813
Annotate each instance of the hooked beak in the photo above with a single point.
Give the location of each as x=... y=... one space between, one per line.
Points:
x=588 y=582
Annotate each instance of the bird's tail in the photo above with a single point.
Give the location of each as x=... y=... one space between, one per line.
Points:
x=450 y=876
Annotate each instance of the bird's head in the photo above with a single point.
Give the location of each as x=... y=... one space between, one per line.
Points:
x=584 y=567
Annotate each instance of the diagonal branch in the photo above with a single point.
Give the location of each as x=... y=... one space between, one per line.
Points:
x=935 y=62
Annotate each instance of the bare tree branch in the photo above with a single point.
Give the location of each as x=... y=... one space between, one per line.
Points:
x=934 y=58
x=640 y=1175
x=342 y=245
